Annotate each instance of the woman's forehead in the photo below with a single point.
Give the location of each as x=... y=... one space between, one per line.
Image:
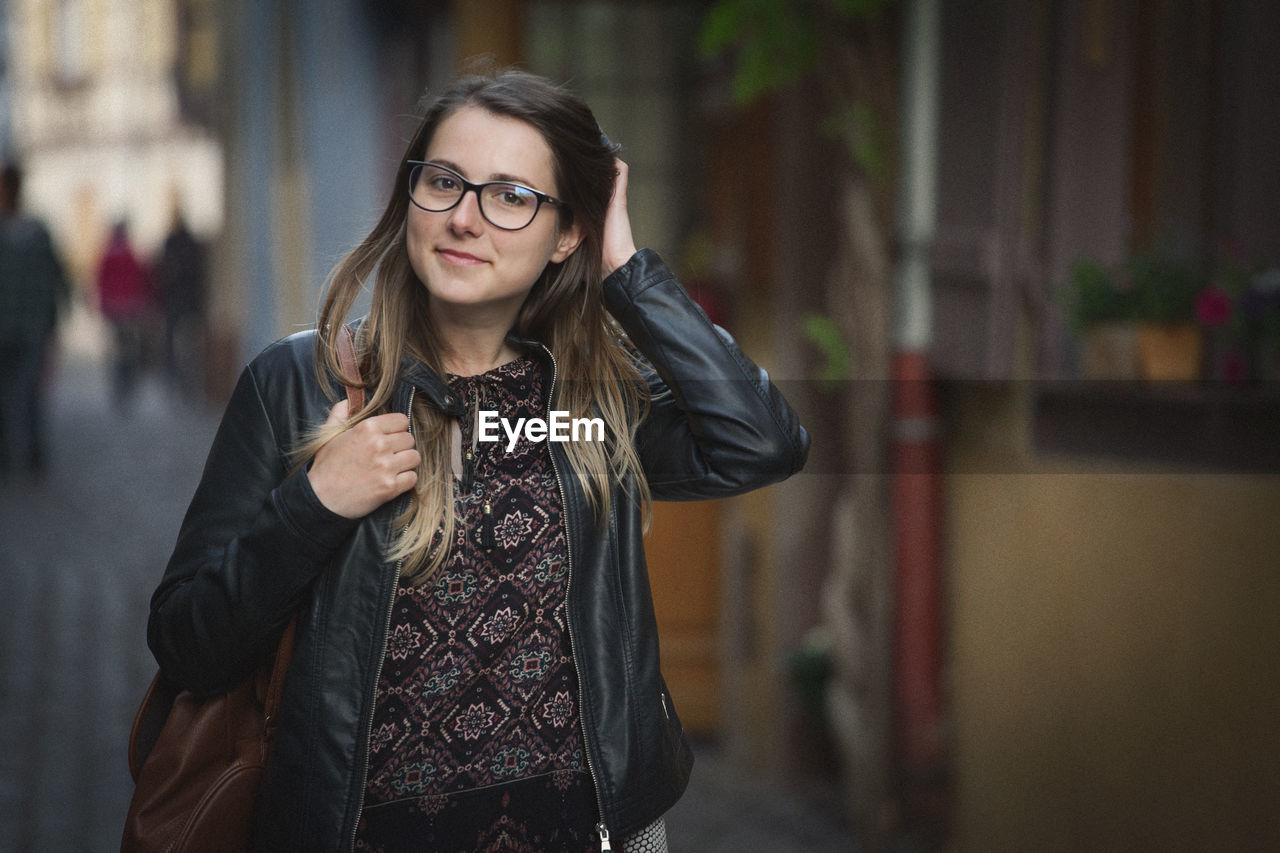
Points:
x=484 y=146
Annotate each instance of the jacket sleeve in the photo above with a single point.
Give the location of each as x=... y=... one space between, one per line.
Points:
x=254 y=538
x=717 y=425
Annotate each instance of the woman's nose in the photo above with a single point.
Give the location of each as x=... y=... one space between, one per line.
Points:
x=465 y=216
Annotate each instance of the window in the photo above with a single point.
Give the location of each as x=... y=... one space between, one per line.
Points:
x=628 y=62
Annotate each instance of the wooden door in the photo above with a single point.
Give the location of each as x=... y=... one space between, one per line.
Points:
x=683 y=553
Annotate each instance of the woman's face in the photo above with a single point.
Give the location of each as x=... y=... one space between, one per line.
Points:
x=471 y=269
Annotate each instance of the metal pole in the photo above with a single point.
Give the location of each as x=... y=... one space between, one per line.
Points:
x=916 y=503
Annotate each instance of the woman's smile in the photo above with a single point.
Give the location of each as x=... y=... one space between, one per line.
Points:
x=458 y=257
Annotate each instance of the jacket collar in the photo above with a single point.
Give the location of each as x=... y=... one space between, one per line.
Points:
x=426 y=381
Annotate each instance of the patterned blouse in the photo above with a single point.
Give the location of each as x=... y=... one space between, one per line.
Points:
x=476 y=743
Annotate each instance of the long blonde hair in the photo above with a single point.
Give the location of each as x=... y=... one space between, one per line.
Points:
x=598 y=371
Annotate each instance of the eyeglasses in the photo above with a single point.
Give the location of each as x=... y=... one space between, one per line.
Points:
x=503 y=204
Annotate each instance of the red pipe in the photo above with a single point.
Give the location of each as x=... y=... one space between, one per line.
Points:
x=918 y=612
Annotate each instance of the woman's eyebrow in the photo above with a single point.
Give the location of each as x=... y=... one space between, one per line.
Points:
x=505 y=177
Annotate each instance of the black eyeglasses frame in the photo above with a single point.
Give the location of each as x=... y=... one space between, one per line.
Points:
x=468 y=186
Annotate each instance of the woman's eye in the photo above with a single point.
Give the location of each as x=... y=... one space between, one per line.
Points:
x=512 y=196
x=443 y=183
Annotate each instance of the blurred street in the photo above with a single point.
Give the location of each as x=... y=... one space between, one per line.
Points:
x=81 y=551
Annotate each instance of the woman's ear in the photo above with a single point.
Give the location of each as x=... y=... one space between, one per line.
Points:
x=567 y=242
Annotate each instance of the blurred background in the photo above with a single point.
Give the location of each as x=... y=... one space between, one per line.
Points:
x=1017 y=263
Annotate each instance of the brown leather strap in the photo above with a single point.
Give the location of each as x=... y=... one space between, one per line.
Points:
x=350 y=367
x=275 y=688
x=355 y=396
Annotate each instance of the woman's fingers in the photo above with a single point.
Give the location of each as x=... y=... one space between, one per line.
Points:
x=339 y=413
x=619 y=243
x=365 y=466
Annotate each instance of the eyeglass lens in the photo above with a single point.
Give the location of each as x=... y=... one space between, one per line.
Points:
x=508 y=206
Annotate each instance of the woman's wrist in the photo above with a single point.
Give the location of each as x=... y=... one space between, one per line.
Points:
x=616 y=261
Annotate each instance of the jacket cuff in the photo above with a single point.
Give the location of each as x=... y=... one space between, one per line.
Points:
x=643 y=270
x=318 y=529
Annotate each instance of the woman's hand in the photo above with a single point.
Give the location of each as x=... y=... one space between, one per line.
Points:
x=365 y=466
x=619 y=245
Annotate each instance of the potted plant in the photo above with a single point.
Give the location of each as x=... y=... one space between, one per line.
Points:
x=1159 y=318
x=1170 y=344
x=1103 y=308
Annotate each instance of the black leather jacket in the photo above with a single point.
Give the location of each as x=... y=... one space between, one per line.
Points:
x=257 y=546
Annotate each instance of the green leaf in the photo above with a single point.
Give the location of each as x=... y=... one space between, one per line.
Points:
x=776 y=42
x=720 y=28
x=859 y=129
x=826 y=335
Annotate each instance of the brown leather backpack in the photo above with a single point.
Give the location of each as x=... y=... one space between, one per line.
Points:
x=197 y=763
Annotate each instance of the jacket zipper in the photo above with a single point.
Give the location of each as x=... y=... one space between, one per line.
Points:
x=377 y=674
x=601 y=828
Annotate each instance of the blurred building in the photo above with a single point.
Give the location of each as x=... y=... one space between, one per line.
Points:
x=100 y=116
x=1109 y=545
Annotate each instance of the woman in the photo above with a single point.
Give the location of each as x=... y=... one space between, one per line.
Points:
x=476 y=664
x=126 y=300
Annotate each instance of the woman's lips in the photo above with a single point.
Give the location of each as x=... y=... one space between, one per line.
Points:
x=454 y=256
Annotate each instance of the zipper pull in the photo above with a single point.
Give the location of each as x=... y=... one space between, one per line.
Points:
x=604 y=837
x=486 y=526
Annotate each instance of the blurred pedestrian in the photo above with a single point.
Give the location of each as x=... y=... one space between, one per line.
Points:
x=33 y=290
x=180 y=285
x=126 y=301
x=476 y=659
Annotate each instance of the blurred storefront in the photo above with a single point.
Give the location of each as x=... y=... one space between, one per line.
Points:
x=1110 y=549
x=105 y=117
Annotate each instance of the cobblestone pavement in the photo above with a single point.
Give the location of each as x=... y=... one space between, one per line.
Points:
x=80 y=552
